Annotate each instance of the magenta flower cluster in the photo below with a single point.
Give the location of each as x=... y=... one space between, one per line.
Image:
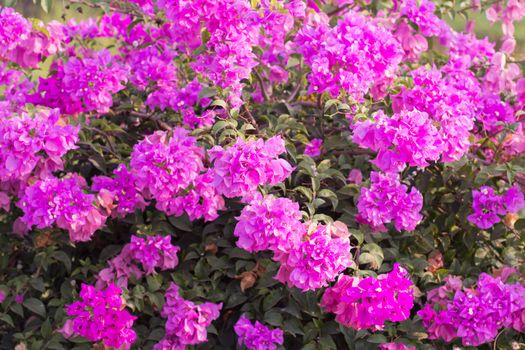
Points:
x=33 y=145
x=359 y=55
x=476 y=314
x=269 y=223
x=118 y=194
x=488 y=206
x=99 y=315
x=256 y=336
x=165 y=166
x=83 y=84
x=238 y=170
x=408 y=137
x=150 y=253
x=64 y=203
x=388 y=201
x=367 y=303
x=319 y=258
x=26 y=43
x=310 y=255
x=449 y=97
x=186 y=321
x=193 y=61
x=395 y=346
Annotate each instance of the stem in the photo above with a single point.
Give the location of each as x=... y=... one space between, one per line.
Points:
x=156 y=120
x=261 y=83
x=296 y=89
x=496 y=339
x=251 y=119
x=338 y=10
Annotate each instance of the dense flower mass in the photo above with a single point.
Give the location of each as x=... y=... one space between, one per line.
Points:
x=488 y=206
x=84 y=84
x=62 y=202
x=33 y=145
x=99 y=315
x=165 y=166
x=448 y=96
x=387 y=200
x=408 y=137
x=239 y=169
x=219 y=147
x=369 y=302
x=476 y=314
x=257 y=336
x=358 y=55
x=186 y=322
x=270 y=223
x=119 y=194
x=151 y=252
x=317 y=260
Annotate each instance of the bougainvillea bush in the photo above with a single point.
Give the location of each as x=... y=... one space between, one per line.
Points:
x=265 y=174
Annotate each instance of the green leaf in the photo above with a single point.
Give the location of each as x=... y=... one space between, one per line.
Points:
x=9 y=3
x=207 y=92
x=327 y=342
x=273 y=317
x=519 y=225
x=293 y=326
x=37 y=283
x=36 y=306
x=330 y=195
x=377 y=339
x=7 y=319
x=46 y=5
x=272 y=299
x=154 y=282
x=371 y=254
x=182 y=222
x=46 y=329
x=64 y=258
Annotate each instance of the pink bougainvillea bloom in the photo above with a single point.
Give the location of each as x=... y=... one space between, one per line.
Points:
x=239 y=169
x=355 y=176
x=165 y=166
x=269 y=223
x=5 y=202
x=62 y=202
x=315 y=261
x=396 y=346
x=387 y=200
x=186 y=322
x=475 y=314
x=99 y=315
x=513 y=200
x=19 y=298
x=367 y=303
x=122 y=194
x=150 y=253
x=313 y=149
x=257 y=336
x=33 y=145
x=489 y=207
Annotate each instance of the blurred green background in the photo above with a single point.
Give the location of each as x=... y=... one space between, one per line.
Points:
x=58 y=10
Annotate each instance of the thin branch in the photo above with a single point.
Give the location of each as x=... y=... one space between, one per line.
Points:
x=338 y=10
x=151 y=117
x=305 y=104
x=261 y=83
x=297 y=88
x=251 y=119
